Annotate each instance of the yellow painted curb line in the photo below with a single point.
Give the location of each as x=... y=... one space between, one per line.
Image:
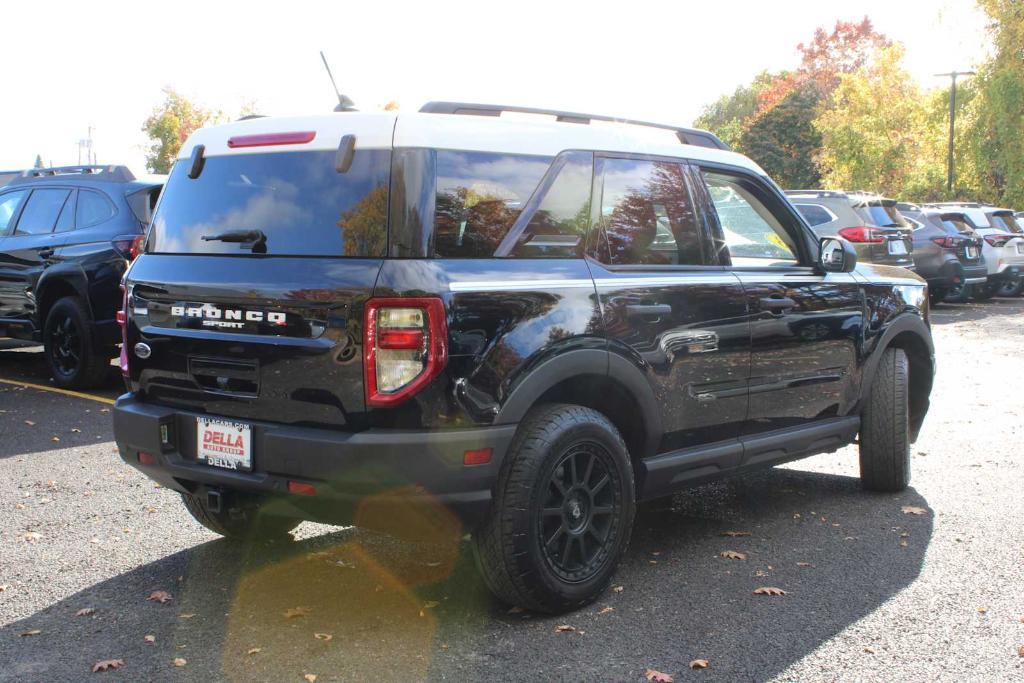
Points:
x=66 y=392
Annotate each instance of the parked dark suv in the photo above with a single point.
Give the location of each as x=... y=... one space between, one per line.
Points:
x=65 y=237
x=409 y=320
x=947 y=252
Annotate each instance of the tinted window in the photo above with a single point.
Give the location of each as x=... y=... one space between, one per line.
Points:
x=1005 y=221
x=41 y=211
x=8 y=207
x=749 y=228
x=558 y=227
x=882 y=216
x=66 y=220
x=479 y=197
x=93 y=208
x=957 y=224
x=646 y=213
x=815 y=214
x=296 y=199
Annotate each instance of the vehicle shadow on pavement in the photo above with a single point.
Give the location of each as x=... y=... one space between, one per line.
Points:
x=975 y=311
x=355 y=605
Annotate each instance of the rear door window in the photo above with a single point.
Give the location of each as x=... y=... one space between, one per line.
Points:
x=815 y=214
x=297 y=200
x=9 y=204
x=479 y=197
x=66 y=220
x=41 y=211
x=647 y=216
x=93 y=208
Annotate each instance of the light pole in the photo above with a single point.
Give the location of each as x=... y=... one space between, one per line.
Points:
x=952 y=123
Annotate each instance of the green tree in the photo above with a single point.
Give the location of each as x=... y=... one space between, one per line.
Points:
x=727 y=117
x=993 y=117
x=169 y=126
x=784 y=141
x=877 y=132
x=39 y=162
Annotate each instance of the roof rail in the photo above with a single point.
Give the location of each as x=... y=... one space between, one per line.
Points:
x=118 y=174
x=687 y=136
x=968 y=205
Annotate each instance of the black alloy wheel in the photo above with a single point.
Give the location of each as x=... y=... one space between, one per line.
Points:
x=580 y=513
x=66 y=348
x=1010 y=287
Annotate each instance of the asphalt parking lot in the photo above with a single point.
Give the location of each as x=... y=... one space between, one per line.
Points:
x=872 y=592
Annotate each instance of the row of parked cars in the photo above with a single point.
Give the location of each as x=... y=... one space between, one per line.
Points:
x=963 y=249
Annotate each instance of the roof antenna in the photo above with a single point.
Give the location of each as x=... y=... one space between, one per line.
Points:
x=344 y=102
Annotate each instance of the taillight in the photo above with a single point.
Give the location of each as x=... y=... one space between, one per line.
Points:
x=998 y=240
x=405 y=346
x=128 y=246
x=862 y=234
x=948 y=242
x=122 y=322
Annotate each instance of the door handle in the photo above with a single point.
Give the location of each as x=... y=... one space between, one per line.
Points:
x=777 y=304
x=647 y=310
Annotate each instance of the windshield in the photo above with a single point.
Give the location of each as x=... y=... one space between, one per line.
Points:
x=882 y=216
x=297 y=200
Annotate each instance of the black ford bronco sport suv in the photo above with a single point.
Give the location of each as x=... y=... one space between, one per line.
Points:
x=66 y=237
x=523 y=327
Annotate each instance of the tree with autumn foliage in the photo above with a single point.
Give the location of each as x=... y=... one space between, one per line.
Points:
x=169 y=126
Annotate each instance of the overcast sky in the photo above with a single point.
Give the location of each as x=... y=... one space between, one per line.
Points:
x=71 y=65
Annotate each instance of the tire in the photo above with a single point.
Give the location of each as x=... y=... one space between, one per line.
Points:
x=937 y=295
x=1010 y=288
x=885 y=426
x=247 y=522
x=983 y=292
x=594 y=499
x=75 y=358
x=960 y=294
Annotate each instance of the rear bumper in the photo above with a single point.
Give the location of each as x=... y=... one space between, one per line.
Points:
x=354 y=474
x=955 y=272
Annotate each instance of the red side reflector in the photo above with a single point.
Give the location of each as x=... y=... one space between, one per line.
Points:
x=147 y=458
x=400 y=339
x=480 y=456
x=270 y=139
x=301 y=489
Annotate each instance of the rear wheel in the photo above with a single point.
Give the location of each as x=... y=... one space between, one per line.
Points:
x=1010 y=287
x=937 y=295
x=562 y=513
x=983 y=292
x=76 y=360
x=242 y=522
x=885 y=426
x=959 y=294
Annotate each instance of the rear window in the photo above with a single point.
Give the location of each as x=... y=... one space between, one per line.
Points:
x=300 y=203
x=958 y=224
x=815 y=214
x=1005 y=221
x=882 y=216
x=143 y=203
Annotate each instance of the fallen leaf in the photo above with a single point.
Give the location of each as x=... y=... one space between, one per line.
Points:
x=160 y=596
x=295 y=612
x=1020 y=651
x=105 y=664
x=732 y=555
x=564 y=628
x=310 y=677
x=769 y=590
x=606 y=610
x=85 y=611
x=699 y=664
x=187 y=615
x=254 y=650
x=31 y=536
x=33 y=632
x=180 y=662
x=657 y=676
x=4 y=586
x=869 y=650
x=516 y=610
x=30 y=423
x=804 y=564
x=76 y=430
x=149 y=638
x=618 y=589
x=323 y=636
x=982 y=610
x=913 y=510
x=735 y=534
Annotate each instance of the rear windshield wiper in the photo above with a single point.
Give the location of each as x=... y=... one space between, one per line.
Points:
x=257 y=239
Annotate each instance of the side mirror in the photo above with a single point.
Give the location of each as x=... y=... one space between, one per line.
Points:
x=837 y=256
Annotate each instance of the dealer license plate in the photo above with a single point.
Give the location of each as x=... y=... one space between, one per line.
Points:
x=897 y=247
x=224 y=444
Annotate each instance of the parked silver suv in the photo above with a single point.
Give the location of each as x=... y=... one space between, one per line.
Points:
x=872 y=223
x=947 y=252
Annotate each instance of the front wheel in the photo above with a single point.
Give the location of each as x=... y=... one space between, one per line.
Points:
x=75 y=358
x=562 y=513
x=983 y=292
x=885 y=426
x=959 y=294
